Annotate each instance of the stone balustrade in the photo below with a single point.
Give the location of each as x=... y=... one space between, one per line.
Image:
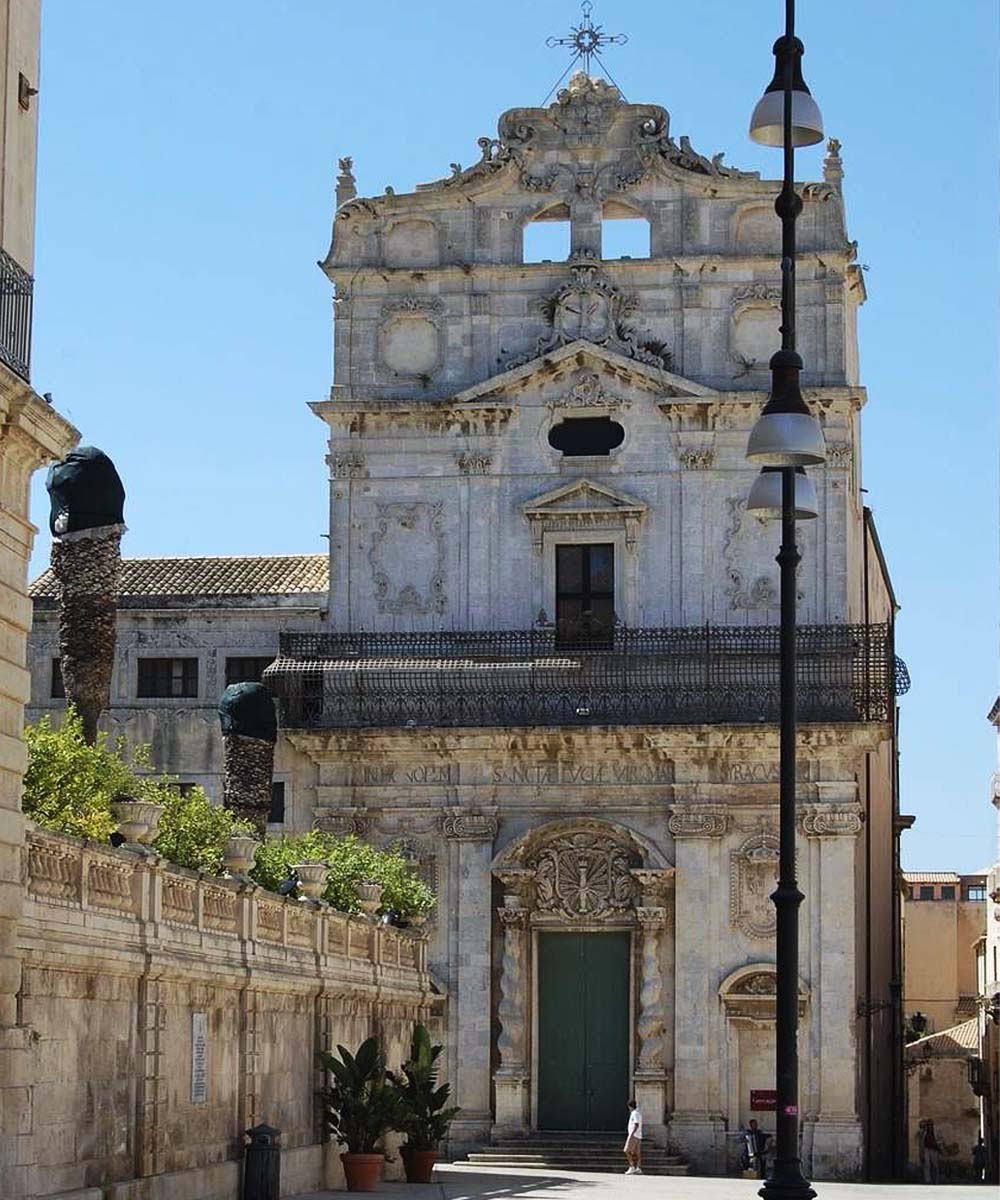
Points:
x=170 y=1010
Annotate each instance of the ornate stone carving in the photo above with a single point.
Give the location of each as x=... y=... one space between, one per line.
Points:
x=763 y=983
x=589 y=392
x=839 y=454
x=758 y=594
x=819 y=820
x=590 y=306
x=342 y=822
x=583 y=875
x=407 y=558
x=54 y=870
x=655 y=885
x=701 y=820
x=697 y=459
x=346 y=464
x=510 y=1010
x=412 y=304
x=754 y=293
x=753 y=872
x=649 y=1023
x=584 y=504
x=474 y=464
x=463 y=826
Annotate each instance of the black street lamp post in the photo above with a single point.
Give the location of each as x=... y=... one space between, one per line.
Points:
x=785 y=439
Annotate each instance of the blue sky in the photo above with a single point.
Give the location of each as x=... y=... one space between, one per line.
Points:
x=186 y=164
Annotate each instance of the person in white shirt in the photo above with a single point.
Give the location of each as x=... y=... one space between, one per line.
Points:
x=633 y=1140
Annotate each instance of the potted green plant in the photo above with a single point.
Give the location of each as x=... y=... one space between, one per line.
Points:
x=424 y=1113
x=360 y=1106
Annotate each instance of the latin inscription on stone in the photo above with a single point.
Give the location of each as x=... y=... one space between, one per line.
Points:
x=199 y=1057
x=583 y=775
x=423 y=773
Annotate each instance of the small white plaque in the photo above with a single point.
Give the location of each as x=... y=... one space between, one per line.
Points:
x=199 y=1057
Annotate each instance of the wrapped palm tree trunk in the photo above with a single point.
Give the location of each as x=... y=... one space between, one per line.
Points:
x=249 y=731
x=87 y=522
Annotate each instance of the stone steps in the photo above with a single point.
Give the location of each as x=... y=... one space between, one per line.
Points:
x=575 y=1152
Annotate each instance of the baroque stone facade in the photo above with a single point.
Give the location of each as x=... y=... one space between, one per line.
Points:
x=452 y=513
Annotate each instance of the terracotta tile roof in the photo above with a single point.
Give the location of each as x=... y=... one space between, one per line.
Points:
x=931 y=877
x=271 y=575
x=959 y=1040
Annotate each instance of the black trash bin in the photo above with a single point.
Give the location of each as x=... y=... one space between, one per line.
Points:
x=262 y=1164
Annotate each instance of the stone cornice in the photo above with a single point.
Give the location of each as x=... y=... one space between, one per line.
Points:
x=31 y=424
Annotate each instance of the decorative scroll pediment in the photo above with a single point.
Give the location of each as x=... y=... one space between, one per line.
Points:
x=607 y=362
x=584 y=504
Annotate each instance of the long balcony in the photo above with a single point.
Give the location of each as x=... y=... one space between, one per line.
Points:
x=16 y=290
x=846 y=673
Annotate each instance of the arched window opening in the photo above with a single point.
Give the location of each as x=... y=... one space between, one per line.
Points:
x=624 y=232
x=590 y=436
x=546 y=237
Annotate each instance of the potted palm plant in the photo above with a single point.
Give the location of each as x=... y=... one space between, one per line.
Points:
x=424 y=1114
x=360 y=1106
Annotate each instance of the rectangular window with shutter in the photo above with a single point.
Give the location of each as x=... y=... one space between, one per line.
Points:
x=162 y=678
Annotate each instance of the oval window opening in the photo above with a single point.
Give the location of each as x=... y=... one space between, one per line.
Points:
x=579 y=436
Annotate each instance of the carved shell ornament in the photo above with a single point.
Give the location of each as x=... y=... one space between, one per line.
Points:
x=583 y=875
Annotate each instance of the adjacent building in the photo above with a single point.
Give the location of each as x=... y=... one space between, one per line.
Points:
x=31 y=433
x=543 y=660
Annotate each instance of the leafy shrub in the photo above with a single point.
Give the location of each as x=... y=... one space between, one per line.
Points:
x=349 y=861
x=69 y=786
x=360 y=1105
x=425 y=1115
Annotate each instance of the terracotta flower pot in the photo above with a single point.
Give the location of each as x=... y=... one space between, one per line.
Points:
x=363 y=1171
x=418 y=1164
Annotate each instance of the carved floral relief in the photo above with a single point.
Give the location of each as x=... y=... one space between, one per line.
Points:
x=407 y=557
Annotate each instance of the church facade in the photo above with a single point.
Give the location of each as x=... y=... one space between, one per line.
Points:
x=546 y=660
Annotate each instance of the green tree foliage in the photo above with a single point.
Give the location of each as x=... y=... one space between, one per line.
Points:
x=425 y=1115
x=360 y=1105
x=349 y=862
x=69 y=786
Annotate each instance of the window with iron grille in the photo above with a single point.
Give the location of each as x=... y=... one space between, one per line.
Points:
x=57 y=689
x=168 y=677
x=240 y=669
x=585 y=592
x=975 y=891
x=276 y=813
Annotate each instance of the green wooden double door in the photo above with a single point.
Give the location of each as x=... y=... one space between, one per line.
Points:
x=583 y=1030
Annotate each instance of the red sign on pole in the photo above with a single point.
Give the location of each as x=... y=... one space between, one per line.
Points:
x=763 y=1101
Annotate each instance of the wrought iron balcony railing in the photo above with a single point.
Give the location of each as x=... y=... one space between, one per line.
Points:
x=16 y=289
x=537 y=677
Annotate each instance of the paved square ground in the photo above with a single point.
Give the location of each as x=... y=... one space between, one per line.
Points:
x=460 y=1182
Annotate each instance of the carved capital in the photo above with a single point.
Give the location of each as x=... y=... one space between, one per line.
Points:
x=818 y=820
x=474 y=464
x=697 y=460
x=698 y=821
x=654 y=885
x=463 y=826
x=348 y=464
x=512 y=918
x=651 y=919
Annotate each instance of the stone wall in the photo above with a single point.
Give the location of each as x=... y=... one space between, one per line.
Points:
x=126 y=960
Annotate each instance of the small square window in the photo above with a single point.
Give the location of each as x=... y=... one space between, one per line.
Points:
x=948 y=891
x=161 y=678
x=242 y=669
x=926 y=892
x=276 y=814
x=57 y=689
x=975 y=891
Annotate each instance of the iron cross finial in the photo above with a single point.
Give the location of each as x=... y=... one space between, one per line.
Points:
x=586 y=39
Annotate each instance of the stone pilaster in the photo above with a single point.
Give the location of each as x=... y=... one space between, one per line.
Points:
x=31 y=433
x=512 y=1078
x=836 y=1134
x=653 y=912
x=694 y=1126
x=471 y=834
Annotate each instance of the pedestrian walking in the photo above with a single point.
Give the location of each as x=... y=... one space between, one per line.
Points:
x=633 y=1140
x=930 y=1151
x=980 y=1158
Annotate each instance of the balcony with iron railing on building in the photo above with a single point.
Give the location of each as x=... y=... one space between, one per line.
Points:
x=554 y=676
x=16 y=290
